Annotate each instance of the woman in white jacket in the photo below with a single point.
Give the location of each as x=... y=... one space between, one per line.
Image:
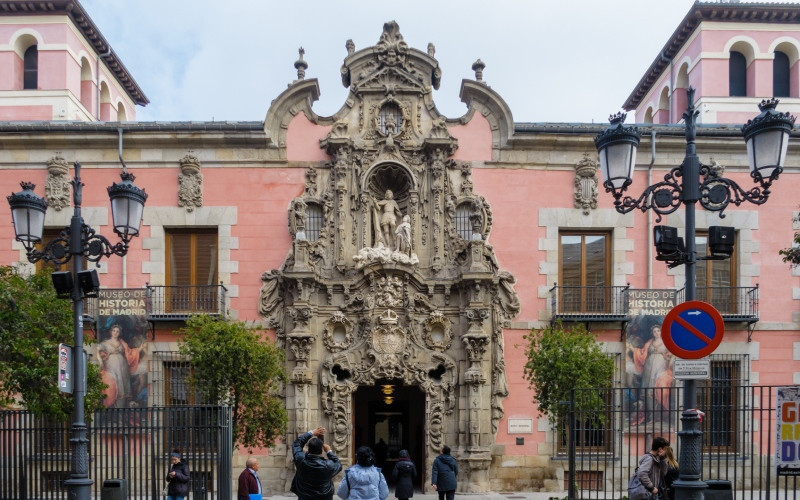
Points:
x=363 y=481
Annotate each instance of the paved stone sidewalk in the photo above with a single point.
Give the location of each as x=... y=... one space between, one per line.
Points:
x=525 y=495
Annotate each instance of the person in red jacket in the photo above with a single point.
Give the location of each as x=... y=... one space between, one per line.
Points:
x=249 y=483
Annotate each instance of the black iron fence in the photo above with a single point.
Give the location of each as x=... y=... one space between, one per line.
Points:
x=601 y=448
x=130 y=444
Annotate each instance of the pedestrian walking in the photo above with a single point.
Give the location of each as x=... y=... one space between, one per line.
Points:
x=249 y=484
x=314 y=469
x=444 y=475
x=653 y=466
x=673 y=472
x=177 y=477
x=404 y=474
x=363 y=481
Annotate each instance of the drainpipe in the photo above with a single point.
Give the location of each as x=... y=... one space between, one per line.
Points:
x=124 y=169
x=99 y=55
x=649 y=215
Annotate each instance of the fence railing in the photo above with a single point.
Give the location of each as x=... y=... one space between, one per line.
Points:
x=180 y=302
x=131 y=444
x=611 y=303
x=739 y=435
x=586 y=303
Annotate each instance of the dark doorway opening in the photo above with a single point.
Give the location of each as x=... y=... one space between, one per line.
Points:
x=389 y=417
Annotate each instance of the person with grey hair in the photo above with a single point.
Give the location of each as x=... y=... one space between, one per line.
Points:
x=249 y=484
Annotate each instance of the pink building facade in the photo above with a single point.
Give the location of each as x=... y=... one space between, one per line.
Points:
x=493 y=227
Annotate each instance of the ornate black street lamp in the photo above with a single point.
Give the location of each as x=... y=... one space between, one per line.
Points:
x=767 y=138
x=78 y=240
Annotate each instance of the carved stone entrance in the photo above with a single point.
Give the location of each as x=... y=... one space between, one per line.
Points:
x=390 y=276
x=390 y=417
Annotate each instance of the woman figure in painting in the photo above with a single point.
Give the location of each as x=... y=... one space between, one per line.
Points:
x=119 y=360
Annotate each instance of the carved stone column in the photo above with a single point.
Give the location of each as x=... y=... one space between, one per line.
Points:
x=476 y=340
x=299 y=342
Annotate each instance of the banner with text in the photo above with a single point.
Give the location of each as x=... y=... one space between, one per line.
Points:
x=788 y=420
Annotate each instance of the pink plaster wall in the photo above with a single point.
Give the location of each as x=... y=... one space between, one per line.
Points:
x=302 y=140
x=26 y=113
x=474 y=139
x=11 y=77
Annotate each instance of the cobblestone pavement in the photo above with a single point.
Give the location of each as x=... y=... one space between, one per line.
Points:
x=525 y=495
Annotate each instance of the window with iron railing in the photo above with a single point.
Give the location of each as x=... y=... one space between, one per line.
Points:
x=721 y=398
x=190 y=268
x=716 y=279
x=313 y=221
x=584 y=272
x=463 y=222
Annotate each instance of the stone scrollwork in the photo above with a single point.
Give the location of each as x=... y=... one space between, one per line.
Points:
x=586 y=184
x=338 y=332
x=56 y=189
x=190 y=183
x=436 y=332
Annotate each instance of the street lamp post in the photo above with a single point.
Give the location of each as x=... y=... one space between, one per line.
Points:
x=76 y=241
x=767 y=137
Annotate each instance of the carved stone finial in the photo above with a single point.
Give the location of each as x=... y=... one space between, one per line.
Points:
x=389 y=317
x=350 y=46
x=586 y=184
x=190 y=183
x=301 y=65
x=391 y=48
x=478 y=67
x=431 y=49
x=56 y=189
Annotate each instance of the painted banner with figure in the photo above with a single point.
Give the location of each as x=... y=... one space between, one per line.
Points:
x=648 y=363
x=121 y=349
x=788 y=442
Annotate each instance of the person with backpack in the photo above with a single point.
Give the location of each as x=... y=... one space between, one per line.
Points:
x=363 y=481
x=653 y=466
x=444 y=475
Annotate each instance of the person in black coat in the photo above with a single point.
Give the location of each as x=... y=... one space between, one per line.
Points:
x=672 y=473
x=315 y=469
x=445 y=473
x=404 y=474
x=177 y=477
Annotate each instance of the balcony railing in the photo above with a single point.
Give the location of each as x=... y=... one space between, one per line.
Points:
x=589 y=303
x=160 y=303
x=610 y=303
x=734 y=303
x=170 y=303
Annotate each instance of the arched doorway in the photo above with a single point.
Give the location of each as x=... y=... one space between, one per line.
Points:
x=390 y=417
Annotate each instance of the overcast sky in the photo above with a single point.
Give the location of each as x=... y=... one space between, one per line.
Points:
x=225 y=60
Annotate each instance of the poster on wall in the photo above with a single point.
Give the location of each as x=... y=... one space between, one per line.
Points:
x=648 y=363
x=787 y=415
x=121 y=349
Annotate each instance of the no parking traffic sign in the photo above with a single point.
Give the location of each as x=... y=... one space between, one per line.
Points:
x=692 y=330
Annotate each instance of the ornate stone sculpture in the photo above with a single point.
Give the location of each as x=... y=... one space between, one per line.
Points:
x=190 y=183
x=386 y=214
x=56 y=189
x=586 y=184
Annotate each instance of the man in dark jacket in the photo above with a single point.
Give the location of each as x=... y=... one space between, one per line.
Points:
x=312 y=479
x=249 y=484
x=445 y=472
x=177 y=477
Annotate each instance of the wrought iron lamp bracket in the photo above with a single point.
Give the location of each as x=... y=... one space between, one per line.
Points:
x=93 y=247
x=663 y=197
x=716 y=192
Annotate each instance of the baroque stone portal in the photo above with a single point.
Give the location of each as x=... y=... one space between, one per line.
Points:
x=390 y=276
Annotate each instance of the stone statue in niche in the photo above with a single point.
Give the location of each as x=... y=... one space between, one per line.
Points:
x=386 y=213
x=403 y=237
